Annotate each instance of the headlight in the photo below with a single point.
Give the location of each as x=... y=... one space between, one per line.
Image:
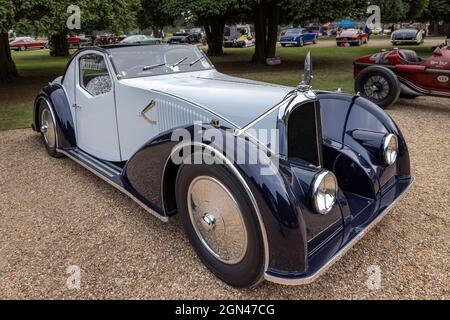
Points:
x=390 y=149
x=324 y=190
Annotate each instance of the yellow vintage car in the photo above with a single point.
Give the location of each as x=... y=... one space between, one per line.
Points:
x=238 y=36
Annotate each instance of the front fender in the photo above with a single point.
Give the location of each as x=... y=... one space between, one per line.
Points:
x=152 y=175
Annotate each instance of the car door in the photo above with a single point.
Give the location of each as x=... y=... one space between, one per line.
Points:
x=95 y=109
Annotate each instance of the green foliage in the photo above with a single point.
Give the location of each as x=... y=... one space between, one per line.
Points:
x=50 y=16
x=197 y=11
x=6 y=15
x=153 y=15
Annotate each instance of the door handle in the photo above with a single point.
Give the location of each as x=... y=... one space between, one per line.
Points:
x=76 y=106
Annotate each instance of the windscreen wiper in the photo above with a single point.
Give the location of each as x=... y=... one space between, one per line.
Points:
x=153 y=66
x=195 y=61
x=179 y=62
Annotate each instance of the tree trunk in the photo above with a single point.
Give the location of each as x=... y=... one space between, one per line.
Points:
x=59 y=46
x=260 y=22
x=214 y=28
x=272 y=28
x=8 y=69
x=266 y=16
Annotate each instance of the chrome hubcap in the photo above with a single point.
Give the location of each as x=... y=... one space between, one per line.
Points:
x=217 y=219
x=376 y=88
x=48 y=128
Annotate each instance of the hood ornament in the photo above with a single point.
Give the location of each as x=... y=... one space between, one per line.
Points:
x=305 y=86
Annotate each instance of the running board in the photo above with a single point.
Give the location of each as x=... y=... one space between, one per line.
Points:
x=109 y=173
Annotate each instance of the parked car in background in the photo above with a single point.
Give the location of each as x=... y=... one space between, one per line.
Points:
x=383 y=77
x=297 y=37
x=381 y=31
x=238 y=36
x=352 y=37
x=27 y=43
x=152 y=122
x=407 y=36
x=183 y=37
x=11 y=36
x=141 y=39
x=199 y=34
x=108 y=39
x=79 y=41
x=319 y=30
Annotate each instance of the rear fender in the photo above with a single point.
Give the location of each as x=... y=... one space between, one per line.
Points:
x=56 y=96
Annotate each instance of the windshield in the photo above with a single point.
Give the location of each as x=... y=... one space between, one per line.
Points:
x=153 y=60
x=293 y=32
x=349 y=32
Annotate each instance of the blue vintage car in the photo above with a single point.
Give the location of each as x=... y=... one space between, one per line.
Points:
x=270 y=182
x=297 y=37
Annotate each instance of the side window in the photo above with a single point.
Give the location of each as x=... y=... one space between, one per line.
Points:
x=94 y=76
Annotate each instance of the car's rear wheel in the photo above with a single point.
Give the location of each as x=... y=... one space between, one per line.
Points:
x=378 y=84
x=221 y=223
x=22 y=48
x=301 y=43
x=283 y=45
x=47 y=128
x=315 y=40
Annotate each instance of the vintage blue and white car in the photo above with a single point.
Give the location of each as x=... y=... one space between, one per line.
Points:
x=297 y=37
x=270 y=182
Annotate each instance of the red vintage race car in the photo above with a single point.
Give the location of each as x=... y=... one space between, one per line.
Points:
x=385 y=76
x=350 y=37
x=27 y=43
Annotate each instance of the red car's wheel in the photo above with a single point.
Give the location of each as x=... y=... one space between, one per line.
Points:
x=22 y=48
x=378 y=84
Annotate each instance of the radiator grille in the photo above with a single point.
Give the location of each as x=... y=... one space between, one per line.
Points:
x=304 y=129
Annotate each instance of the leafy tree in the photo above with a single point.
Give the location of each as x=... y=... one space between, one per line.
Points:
x=153 y=15
x=50 y=17
x=8 y=69
x=211 y=14
x=438 y=12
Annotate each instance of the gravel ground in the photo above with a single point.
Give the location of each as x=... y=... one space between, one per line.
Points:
x=54 y=214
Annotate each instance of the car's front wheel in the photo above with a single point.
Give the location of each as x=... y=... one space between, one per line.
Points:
x=378 y=84
x=221 y=223
x=301 y=43
x=47 y=128
x=22 y=48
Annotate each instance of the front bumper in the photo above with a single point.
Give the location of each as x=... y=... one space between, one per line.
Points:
x=289 y=42
x=347 y=41
x=396 y=193
x=404 y=41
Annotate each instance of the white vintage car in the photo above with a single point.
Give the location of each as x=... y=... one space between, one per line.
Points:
x=288 y=179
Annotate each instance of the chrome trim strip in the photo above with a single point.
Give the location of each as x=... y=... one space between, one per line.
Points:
x=241 y=179
x=342 y=251
x=84 y=155
x=437 y=71
x=111 y=175
x=422 y=90
x=151 y=105
x=265 y=114
x=121 y=189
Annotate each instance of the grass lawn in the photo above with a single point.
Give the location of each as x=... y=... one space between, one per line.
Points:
x=332 y=69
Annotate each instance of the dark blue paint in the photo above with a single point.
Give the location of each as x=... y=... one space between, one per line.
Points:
x=300 y=242
x=55 y=94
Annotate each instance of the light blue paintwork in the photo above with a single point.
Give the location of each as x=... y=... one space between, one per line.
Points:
x=236 y=100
